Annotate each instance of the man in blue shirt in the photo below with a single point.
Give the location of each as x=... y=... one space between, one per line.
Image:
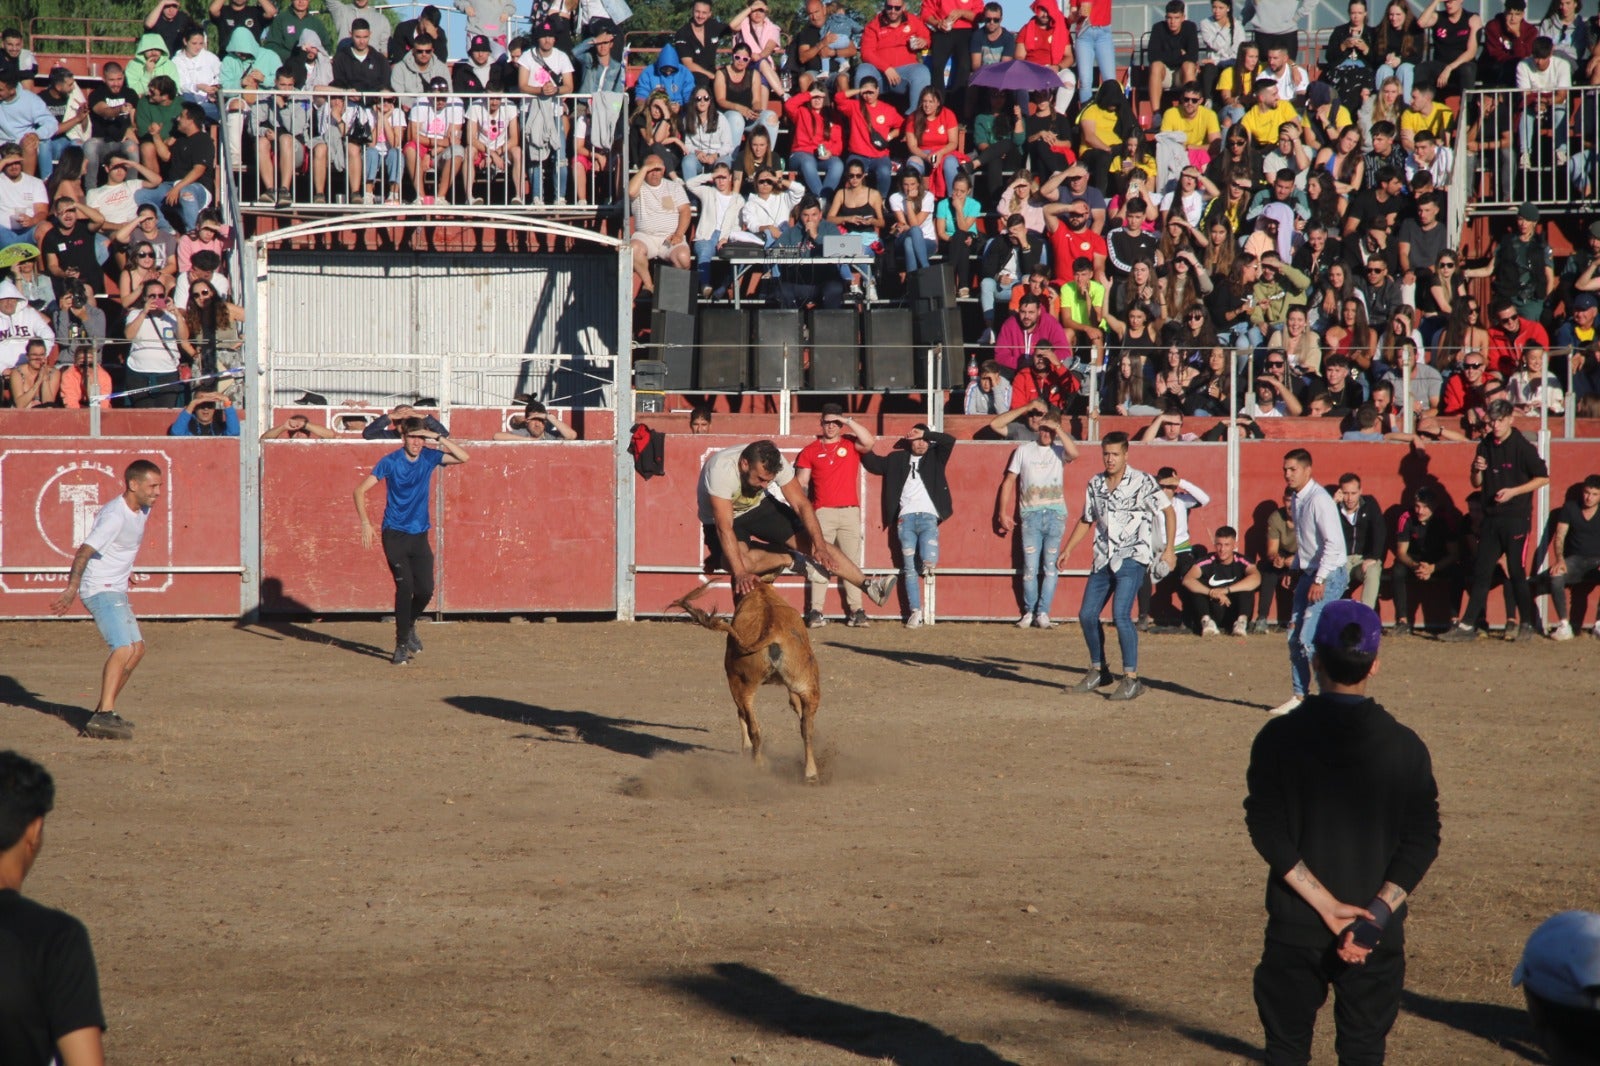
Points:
x=409 y=476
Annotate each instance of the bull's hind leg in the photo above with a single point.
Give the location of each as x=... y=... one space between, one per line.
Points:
x=744 y=699
x=805 y=708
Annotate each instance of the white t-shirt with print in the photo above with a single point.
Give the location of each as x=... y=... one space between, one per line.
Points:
x=1039 y=473
x=117 y=532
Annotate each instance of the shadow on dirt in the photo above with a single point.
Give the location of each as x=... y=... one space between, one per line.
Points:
x=745 y=992
x=291 y=631
x=1085 y=1000
x=1507 y=1028
x=14 y=694
x=991 y=667
x=580 y=727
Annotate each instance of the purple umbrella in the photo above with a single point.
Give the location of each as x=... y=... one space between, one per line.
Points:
x=1016 y=75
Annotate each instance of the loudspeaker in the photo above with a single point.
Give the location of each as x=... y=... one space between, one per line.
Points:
x=835 y=350
x=674 y=290
x=724 y=349
x=777 y=333
x=889 y=357
x=935 y=284
x=931 y=328
x=672 y=334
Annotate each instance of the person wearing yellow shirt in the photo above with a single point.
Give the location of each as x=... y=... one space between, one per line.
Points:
x=1263 y=120
x=1202 y=134
x=1425 y=114
x=1099 y=138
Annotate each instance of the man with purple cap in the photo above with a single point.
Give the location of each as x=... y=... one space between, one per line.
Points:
x=1560 y=978
x=1342 y=805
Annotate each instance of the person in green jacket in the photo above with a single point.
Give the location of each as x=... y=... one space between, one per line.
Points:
x=283 y=35
x=151 y=59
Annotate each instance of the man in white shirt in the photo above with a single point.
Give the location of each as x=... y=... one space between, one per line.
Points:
x=100 y=571
x=23 y=199
x=1322 y=571
x=19 y=324
x=1037 y=466
x=199 y=72
x=1547 y=79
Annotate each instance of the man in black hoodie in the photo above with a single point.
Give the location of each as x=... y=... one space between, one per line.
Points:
x=1342 y=804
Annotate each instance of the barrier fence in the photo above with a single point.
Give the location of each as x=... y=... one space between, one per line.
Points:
x=1523 y=146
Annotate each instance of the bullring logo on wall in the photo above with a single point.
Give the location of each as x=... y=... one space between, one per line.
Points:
x=48 y=500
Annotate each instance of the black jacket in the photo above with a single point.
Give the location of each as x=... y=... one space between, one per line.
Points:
x=895 y=467
x=1512 y=464
x=998 y=251
x=1368 y=536
x=369 y=75
x=1340 y=785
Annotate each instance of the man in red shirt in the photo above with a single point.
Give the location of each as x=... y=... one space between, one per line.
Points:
x=1074 y=240
x=889 y=53
x=1466 y=391
x=951 y=23
x=1509 y=333
x=870 y=125
x=1048 y=379
x=1045 y=40
x=829 y=470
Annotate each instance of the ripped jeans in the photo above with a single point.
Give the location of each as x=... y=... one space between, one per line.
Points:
x=919 y=537
x=1042 y=529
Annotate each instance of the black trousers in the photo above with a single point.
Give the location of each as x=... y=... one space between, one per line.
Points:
x=959 y=249
x=951 y=47
x=1404 y=581
x=1181 y=562
x=820 y=290
x=1272 y=590
x=1201 y=606
x=1500 y=535
x=998 y=162
x=1289 y=41
x=1291 y=985
x=1465 y=77
x=410 y=559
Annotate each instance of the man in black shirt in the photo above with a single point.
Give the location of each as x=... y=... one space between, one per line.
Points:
x=1425 y=553
x=1365 y=537
x=1174 y=48
x=68 y=249
x=1220 y=589
x=696 y=42
x=229 y=15
x=49 y=991
x=1339 y=389
x=111 y=107
x=1508 y=470
x=1380 y=203
x=358 y=66
x=1342 y=805
x=168 y=20
x=186 y=162
x=1575 y=551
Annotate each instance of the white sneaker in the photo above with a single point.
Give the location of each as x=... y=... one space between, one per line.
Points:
x=1562 y=632
x=915 y=621
x=872 y=291
x=1026 y=620
x=1241 y=628
x=1287 y=705
x=986 y=338
x=1042 y=621
x=1595 y=632
x=1208 y=627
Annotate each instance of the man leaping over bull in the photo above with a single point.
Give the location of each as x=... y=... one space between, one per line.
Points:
x=751 y=535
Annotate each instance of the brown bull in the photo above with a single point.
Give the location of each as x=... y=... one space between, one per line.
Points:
x=767 y=645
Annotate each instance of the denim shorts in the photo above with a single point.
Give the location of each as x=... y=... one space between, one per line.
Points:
x=114 y=615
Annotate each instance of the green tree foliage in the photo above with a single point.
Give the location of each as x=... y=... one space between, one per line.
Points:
x=104 y=18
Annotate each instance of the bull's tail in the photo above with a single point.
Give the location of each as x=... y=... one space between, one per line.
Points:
x=699 y=614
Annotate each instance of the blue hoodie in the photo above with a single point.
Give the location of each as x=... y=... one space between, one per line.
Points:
x=678 y=84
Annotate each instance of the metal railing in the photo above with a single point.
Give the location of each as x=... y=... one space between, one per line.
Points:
x=328 y=150
x=1518 y=146
x=454 y=379
x=79 y=43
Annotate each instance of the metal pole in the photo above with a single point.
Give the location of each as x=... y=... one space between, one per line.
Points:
x=1570 y=417
x=91 y=389
x=1092 y=430
x=783 y=395
x=936 y=397
x=1541 y=499
x=252 y=294
x=1408 y=419
x=623 y=470
x=1232 y=455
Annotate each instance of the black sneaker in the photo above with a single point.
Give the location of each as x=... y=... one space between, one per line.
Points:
x=107 y=725
x=401 y=656
x=857 y=619
x=1460 y=635
x=1261 y=627
x=1096 y=678
x=1401 y=629
x=1146 y=624
x=412 y=643
x=815 y=620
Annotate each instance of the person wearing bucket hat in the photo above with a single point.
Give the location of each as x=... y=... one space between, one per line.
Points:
x=1560 y=979
x=1343 y=806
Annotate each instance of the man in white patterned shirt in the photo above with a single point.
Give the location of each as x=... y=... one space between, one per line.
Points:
x=1120 y=505
x=1323 y=579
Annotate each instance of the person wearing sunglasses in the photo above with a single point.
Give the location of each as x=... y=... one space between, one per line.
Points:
x=890 y=47
x=1202 y=135
x=870 y=124
x=1509 y=334
x=990 y=42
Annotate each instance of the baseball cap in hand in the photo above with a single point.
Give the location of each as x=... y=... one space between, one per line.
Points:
x=1337 y=617
x=1561 y=961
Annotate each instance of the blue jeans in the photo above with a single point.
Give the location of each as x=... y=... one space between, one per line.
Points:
x=738 y=123
x=914 y=77
x=1095 y=47
x=880 y=172
x=1406 y=72
x=919 y=536
x=8 y=236
x=1303 y=623
x=559 y=156
x=950 y=165
x=704 y=252
x=1528 y=127
x=990 y=290
x=378 y=161
x=820 y=177
x=1126 y=582
x=1042 y=528
x=191 y=201
x=113 y=615
x=914 y=249
x=50 y=151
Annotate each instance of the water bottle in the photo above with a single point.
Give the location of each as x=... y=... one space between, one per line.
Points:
x=972 y=369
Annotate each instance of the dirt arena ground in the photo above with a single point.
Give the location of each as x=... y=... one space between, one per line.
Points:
x=538 y=844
